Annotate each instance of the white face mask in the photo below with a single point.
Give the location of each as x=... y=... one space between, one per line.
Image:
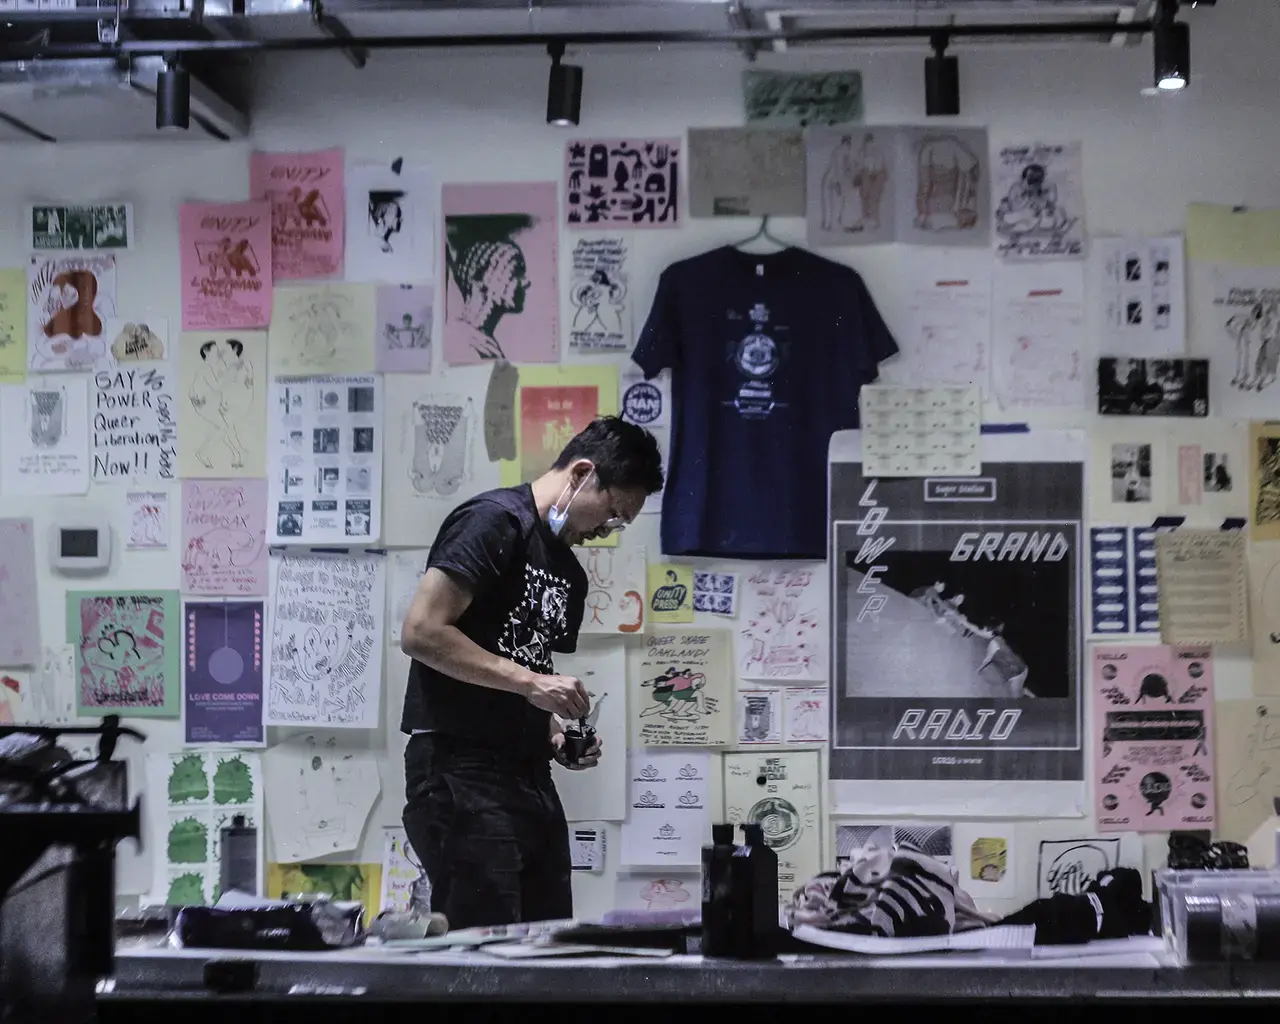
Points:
x=556 y=516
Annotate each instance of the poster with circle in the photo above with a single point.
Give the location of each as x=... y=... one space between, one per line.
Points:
x=222 y=672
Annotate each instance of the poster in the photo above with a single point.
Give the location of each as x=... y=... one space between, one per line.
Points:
x=222 y=408
x=663 y=890
x=327 y=620
x=348 y=883
x=806 y=714
x=958 y=619
x=601 y=793
x=69 y=300
x=797 y=99
x=986 y=857
x=1211 y=469
x=646 y=403
x=554 y=404
x=1264 y=480
x=224 y=537
x=135 y=425
x=403 y=321
x=785 y=625
x=1264 y=616
x=128 y=652
x=1153 y=709
x=1142 y=288
x=1123 y=586
x=17 y=699
x=308 y=212
x=225 y=265
x=136 y=341
x=13 y=326
x=324 y=443
x=501 y=298
x=670 y=590
x=746 y=172
x=19 y=609
x=46 y=438
x=222 y=668
x=1067 y=867
x=944 y=334
x=681 y=689
x=401 y=869
x=1037 y=336
x=1039 y=201
x=920 y=431
x=68 y=227
x=866 y=839
x=148 y=520
x=615 y=588
x=391 y=210
x=1248 y=752
x=716 y=593
x=622 y=183
x=668 y=812
x=851 y=185
x=758 y=717
x=1153 y=387
x=197 y=795
x=599 y=286
x=321 y=328
x=1204 y=592
x=780 y=793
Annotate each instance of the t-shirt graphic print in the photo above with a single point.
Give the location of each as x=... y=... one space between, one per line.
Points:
x=537 y=622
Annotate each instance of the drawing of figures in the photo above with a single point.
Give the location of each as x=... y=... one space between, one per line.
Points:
x=228 y=259
x=293 y=210
x=948 y=174
x=407 y=333
x=69 y=301
x=322 y=323
x=386 y=217
x=1030 y=208
x=489 y=270
x=1254 y=332
x=147 y=529
x=1040 y=203
x=808 y=722
x=221 y=394
x=665 y=894
x=442 y=441
x=48 y=418
x=853 y=186
x=599 y=304
x=677 y=696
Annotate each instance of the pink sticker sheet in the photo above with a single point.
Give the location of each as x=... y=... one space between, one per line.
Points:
x=308 y=211
x=226 y=265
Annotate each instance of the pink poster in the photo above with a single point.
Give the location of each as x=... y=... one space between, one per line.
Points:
x=501 y=300
x=224 y=537
x=226 y=265
x=307 y=211
x=622 y=183
x=1153 y=707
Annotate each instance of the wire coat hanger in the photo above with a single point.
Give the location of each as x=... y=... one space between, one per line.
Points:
x=762 y=234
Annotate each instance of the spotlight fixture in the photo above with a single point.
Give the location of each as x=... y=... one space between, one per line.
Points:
x=1172 y=45
x=173 y=96
x=941 y=81
x=564 y=89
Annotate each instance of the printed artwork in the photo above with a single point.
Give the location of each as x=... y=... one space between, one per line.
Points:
x=615 y=589
x=598 y=295
x=226 y=265
x=746 y=172
x=326 y=644
x=784 y=634
x=403 y=324
x=13 y=325
x=668 y=817
x=350 y=883
x=779 y=792
x=222 y=672
x=662 y=892
x=224 y=537
x=1153 y=387
x=552 y=405
x=222 y=408
x=627 y=183
x=716 y=593
x=135 y=425
x=148 y=520
x=307 y=211
x=1067 y=867
x=759 y=717
x=861 y=841
x=326 y=328
x=136 y=341
x=19 y=610
x=790 y=99
x=46 y=438
x=806 y=714
x=682 y=692
x=128 y=651
x=1039 y=202
x=62 y=227
x=1248 y=752
x=390 y=234
x=1141 y=286
x=670 y=589
x=987 y=859
x=69 y=300
x=852 y=182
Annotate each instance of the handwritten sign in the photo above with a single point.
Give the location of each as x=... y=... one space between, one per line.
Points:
x=682 y=690
x=135 y=426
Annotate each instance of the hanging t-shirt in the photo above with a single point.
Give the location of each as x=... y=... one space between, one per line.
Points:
x=767 y=353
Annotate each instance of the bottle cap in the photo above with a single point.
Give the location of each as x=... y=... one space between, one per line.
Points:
x=754 y=833
x=721 y=834
x=237 y=821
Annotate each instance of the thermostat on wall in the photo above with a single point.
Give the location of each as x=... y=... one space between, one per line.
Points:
x=82 y=547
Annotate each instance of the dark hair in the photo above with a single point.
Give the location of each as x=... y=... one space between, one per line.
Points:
x=236 y=346
x=624 y=454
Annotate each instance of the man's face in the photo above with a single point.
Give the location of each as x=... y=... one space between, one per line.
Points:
x=595 y=509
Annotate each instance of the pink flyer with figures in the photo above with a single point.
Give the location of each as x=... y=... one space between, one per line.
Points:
x=226 y=265
x=1153 y=709
x=308 y=203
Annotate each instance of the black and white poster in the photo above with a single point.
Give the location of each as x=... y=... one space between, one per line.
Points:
x=1153 y=387
x=622 y=183
x=957 y=621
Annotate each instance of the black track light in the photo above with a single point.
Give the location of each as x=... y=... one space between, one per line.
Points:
x=564 y=89
x=1171 y=44
x=941 y=81
x=173 y=97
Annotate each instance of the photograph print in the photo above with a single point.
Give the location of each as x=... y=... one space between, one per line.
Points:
x=1130 y=473
x=1153 y=387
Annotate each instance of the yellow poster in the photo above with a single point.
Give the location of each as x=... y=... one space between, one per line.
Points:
x=13 y=326
x=222 y=409
x=1264 y=481
x=357 y=883
x=1231 y=234
x=670 y=593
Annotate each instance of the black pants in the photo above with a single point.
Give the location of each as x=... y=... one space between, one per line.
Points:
x=490 y=831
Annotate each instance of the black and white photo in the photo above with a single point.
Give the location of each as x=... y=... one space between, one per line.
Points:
x=1153 y=387
x=1131 y=473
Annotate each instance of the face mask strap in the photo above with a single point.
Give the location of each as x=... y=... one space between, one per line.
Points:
x=557 y=517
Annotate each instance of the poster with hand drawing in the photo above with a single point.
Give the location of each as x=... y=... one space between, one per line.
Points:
x=806 y=718
x=222 y=404
x=46 y=438
x=622 y=183
x=128 y=652
x=148 y=520
x=796 y=99
x=324 y=328
x=325 y=663
x=851 y=184
x=598 y=296
x=746 y=172
x=681 y=689
x=780 y=793
x=224 y=537
x=307 y=211
x=391 y=216
x=403 y=325
x=945 y=198
x=501 y=299
x=615 y=589
x=1039 y=201
x=784 y=632
x=136 y=341
x=69 y=301
x=1248 y=751
x=226 y=265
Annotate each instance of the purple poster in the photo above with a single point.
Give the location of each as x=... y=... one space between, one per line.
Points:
x=222 y=672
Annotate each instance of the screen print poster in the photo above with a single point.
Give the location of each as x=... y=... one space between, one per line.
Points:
x=225 y=255
x=553 y=403
x=1152 y=711
x=956 y=632
x=222 y=672
x=127 y=652
x=501 y=299
x=308 y=211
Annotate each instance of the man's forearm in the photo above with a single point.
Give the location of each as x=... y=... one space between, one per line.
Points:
x=451 y=652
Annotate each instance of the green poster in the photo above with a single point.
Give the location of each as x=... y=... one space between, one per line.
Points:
x=128 y=652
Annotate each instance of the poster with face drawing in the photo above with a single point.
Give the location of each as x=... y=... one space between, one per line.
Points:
x=403 y=323
x=69 y=301
x=222 y=404
x=128 y=652
x=851 y=184
x=501 y=299
x=1153 y=708
x=622 y=183
x=1039 y=201
x=601 y=310
x=391 y=216
x=681 y=689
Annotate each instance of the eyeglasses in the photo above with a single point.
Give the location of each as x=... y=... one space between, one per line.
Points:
x=614 y=524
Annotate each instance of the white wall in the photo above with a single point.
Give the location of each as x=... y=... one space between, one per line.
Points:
x=478 y=116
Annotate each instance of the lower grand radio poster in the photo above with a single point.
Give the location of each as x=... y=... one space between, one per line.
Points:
x=957 y=618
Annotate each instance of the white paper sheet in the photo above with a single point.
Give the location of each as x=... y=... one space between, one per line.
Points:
x=805 y=714
x=404 y=570
x=1204 y=592
x=599 y=793
x=45 y=428
x=319 y=796
x=668 y=818
x=615 y=588
x=1141 y=295
x=779 y=792
x=910 y=431
x=759 y=717
x=391 y=216
x=148 y=520
x=945 y=333
x=53 y=690
x=784 y=629
x=19 y=609
x=1038 y=335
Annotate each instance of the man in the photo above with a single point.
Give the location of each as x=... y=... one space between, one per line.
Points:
x=502 y=591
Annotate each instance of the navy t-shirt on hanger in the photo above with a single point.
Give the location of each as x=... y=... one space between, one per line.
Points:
x=767 y=353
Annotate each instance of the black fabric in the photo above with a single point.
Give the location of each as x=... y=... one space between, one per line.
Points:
x=528 y=591
x=490 y=831
x=1111 y=907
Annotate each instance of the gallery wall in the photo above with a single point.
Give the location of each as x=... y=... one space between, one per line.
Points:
x=478 y=117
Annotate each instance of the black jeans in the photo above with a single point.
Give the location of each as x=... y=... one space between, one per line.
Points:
x=490 y=832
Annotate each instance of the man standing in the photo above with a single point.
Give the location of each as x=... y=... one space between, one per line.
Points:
x=502 y=591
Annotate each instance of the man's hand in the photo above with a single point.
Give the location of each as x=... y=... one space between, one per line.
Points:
x=561 y=695
x=589 y=760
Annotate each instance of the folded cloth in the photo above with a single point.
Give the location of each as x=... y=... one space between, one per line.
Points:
x=1111 y=907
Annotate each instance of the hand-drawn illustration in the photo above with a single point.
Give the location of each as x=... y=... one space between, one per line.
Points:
x=790 y=99
x=226 y=265
x=1249 y=748
x=746 y=172
x=138 y=341
x=46 y=431
x=716 y=593
x=326 y=645
x=148 y=520
x=1069 y=866
x=135 y=427
x=632 y=183
x=1037 y=334
x=501 y=300
x=1039 y=202
x=806 y=718
x=851 y=185
x=324 y=328
x=223 y=403
x=391 y=230
x=598 y=295
x=441 y=433
x=784 y=624
x=945 y=197
x=224 y=537
x=615 y=585
x=683 y=695
x=404 y=318
x=19 y=611
x=128 y=651
x=307 y=210
x=69 y=300
x=664 y=894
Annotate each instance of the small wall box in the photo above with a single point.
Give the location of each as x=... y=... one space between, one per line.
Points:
x=80 y=548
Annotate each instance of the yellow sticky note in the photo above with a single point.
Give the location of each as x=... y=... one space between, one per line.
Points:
x=670 y=593
x=13 y=326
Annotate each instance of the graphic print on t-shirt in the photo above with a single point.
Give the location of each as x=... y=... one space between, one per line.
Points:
x=537 y=621
x=757 y=357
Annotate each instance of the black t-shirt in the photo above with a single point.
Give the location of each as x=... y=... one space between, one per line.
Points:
x=528 y=591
